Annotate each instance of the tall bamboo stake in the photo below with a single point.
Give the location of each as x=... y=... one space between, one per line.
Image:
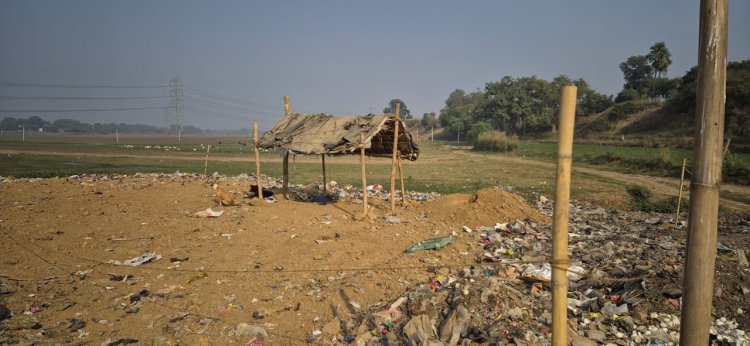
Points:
x=285 y=162
x=205 y=166
x=401 y=178
x=396 y=121
x=700 y=262
x=679 y=194
x=560 y=221
x=325 y=181
x=257 y=161
x=364 y=172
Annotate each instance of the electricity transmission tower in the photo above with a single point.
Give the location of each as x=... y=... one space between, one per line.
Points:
x=173 y=118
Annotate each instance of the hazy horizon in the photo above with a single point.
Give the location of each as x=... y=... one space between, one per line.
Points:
x=237 y=59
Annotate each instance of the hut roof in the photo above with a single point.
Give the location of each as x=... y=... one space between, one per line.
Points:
x=316 y=134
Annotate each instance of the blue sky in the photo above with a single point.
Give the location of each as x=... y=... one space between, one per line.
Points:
x=345 y=57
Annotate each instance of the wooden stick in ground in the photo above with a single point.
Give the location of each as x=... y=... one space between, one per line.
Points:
x=287 y=106
x=257 y=160
x=325 y=182
x=401 y=178
x=364 y=172
x=396 y=121
x=679 y=194
x=205 y=166
x=700 y=256
x=285 y=162
x=560 y=220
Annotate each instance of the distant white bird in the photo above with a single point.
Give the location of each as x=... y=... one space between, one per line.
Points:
x=225 y=198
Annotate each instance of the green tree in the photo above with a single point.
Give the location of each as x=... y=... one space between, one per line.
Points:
x=627 y=94
x=659 y=58
x=636 y=70
x=457 y=115
x=589 y=101
x=403 y=110
x=477 y=129
x=429 y=119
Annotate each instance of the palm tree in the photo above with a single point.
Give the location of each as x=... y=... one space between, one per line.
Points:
x=659 y=58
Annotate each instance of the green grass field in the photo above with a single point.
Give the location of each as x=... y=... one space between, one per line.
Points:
x=441 y=167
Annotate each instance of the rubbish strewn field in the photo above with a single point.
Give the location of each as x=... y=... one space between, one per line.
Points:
x=304 y=272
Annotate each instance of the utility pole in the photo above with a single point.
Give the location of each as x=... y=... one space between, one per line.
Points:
x=700 y=261
x=174 y=113
x=432 y=133
x=458 y=139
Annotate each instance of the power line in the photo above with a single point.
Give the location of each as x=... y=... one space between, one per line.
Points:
x=209 y=103
x=37 y=85
x=238 y=116
x=218 y=114
x=228 y=98
x=77 y=110
x=81 y=98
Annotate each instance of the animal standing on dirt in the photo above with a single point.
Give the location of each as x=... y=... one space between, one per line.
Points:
x=225 y=198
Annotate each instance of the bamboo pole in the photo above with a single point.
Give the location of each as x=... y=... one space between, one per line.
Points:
x=325 y=181
x=700 y=262
x=396 y=121
x=205 y=166
x=401 y=178
x=364 y=172
x=285 y=162
x=285 y=169
x=560 y=221
x=287 y=106
x=257 y=161
x=679 y=194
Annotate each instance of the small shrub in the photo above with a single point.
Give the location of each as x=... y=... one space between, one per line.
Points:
x=495 y=141
x=732 y=161
x=640 y=200
x=669 y=205
x=639 y=197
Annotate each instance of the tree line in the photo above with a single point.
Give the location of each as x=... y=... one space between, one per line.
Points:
x=528 y=106
x=37 y=124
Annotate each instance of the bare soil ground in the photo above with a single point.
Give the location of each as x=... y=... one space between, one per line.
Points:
x=289 y=261
x=290 y=266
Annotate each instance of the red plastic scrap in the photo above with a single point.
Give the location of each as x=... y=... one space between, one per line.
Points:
x=255 y=342
x=676 y=302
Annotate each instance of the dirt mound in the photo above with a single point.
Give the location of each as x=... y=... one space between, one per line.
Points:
x=485 y=207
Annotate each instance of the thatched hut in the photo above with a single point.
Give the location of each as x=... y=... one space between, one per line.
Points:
x=321 y=134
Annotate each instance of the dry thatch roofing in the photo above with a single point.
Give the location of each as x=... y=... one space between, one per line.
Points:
x=316 y=134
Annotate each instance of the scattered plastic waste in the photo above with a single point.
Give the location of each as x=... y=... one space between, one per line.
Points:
x=209 y=213
x=140 y=260
x=430 y=244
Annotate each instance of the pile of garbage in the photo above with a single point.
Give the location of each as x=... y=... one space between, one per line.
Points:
x=624 y=275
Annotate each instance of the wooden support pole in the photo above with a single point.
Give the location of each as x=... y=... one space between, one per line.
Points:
x=325 y=181
x=257 y=161
x=285 y=161
x=396 y=121
x=401 y=178
x=285 y=173
x=679 y=194
x=560 y=218
x=700 y=262
x=205 y=166
x=364 y=173
x=117 y=136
